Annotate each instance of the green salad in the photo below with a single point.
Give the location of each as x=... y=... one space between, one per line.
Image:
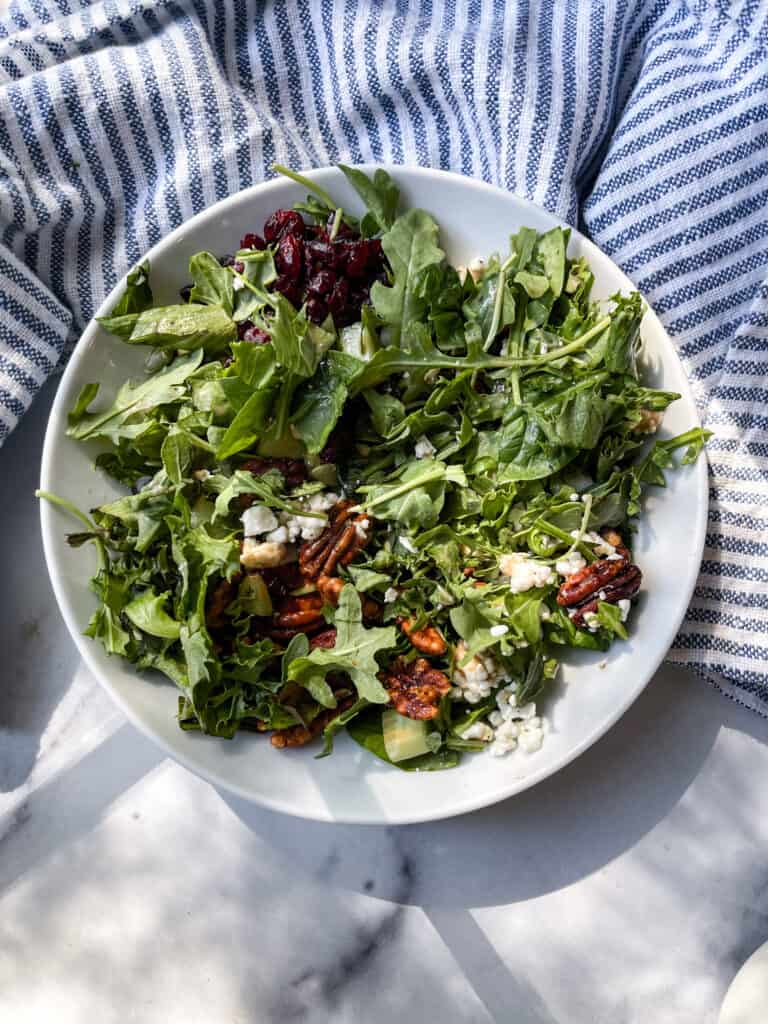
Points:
x=366 y=490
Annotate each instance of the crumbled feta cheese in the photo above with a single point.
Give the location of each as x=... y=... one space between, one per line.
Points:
x=424 y=448
x=498 y=630
x=602 y=547
x=524 y=572
x=505 y=739
x=544 y=613
x=278 y=536
x=361 y=529
x=601 y=595
x=624 y=606
x=478 y=731
x=592 y=622
x=495 y=718
x=478 y=677
x=201 y=474
x=258 y=519
x=237 y=283
x=531 y=740
x=570 y=563
x=456 y=693
x=407 y=543
x=390 y=595
x=573 y=497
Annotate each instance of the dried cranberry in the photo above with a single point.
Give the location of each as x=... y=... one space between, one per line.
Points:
x=322 y=282
x=338 y=440
x=317 y=310
x=226 y=261
x=290 y=289
x=288 y=258
x=186 y=292
x=239 y=266
x=375 y=252
x=252 y=241
x=283 y=222
x=256 y=336
x=337 y=300
x=242 y=327
x=359 y=297
x=356 y=258
x=294 y=470
x=320 y=254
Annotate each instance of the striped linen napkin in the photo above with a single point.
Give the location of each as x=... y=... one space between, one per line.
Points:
x=645 y=122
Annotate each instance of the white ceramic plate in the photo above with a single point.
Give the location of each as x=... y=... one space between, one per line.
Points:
x=352 y=786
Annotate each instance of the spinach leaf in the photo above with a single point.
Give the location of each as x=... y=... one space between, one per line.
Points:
x=320 y=401
x=186 y=327
x=212 y=283
x=365 y=730
x=137 y=295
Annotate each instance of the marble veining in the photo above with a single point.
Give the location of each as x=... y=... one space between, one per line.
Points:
x=627 y=889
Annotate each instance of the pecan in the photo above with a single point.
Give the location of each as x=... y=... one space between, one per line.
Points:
x=299 y=735
x=330 y=588
x=300 y=614
x=415 y=687
x=282 y=580
x=343 y=539
x=621 y=588
x=610 y=580
x=428 y=640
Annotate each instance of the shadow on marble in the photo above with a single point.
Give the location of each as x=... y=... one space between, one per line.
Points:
x=544 y=839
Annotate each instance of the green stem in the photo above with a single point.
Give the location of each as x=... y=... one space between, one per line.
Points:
x=498 y=303
x=306 y=183
x=336 y=224
x=73 y=510
x=429 y=476
x=555 y=531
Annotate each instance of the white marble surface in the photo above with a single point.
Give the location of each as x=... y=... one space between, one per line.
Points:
x=626 y=890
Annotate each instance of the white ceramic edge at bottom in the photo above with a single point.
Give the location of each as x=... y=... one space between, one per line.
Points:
x=57 y=423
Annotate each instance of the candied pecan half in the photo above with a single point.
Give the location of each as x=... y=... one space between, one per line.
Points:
x=299 y=735
x=330 y=588
x=608 y=579
x=415 y=687
x=428 y=640
x=343 y=539
x=621 y=588
x=300 y=614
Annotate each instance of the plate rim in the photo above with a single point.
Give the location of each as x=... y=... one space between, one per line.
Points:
x=57 y=419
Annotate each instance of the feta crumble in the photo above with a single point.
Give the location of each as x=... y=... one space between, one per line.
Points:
x=478 y=677
x=498 y=630
x=258 y=519
x=525 y=573
x=390 y=595
x=569 y=564
x=478 y=731
x=424 y=449
x=591 y=621
x=624 y=606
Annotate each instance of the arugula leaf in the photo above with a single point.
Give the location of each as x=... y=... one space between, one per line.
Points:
x=294 y=348
x=176 y=454
x=185 y=327
x=84 y=399
x=354 y=652
x=147 y=612
x=609 y=617
x=105 y=623
x=380 y=194
x=416 y=496
x=411 y=248
x=337 y=724
x=134 y=399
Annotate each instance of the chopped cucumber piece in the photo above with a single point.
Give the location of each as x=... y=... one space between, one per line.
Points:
x=403 y=737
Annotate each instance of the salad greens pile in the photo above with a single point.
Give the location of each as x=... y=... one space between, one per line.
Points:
x=465 y=417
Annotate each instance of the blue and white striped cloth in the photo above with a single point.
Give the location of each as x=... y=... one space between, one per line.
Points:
x=645 y=122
